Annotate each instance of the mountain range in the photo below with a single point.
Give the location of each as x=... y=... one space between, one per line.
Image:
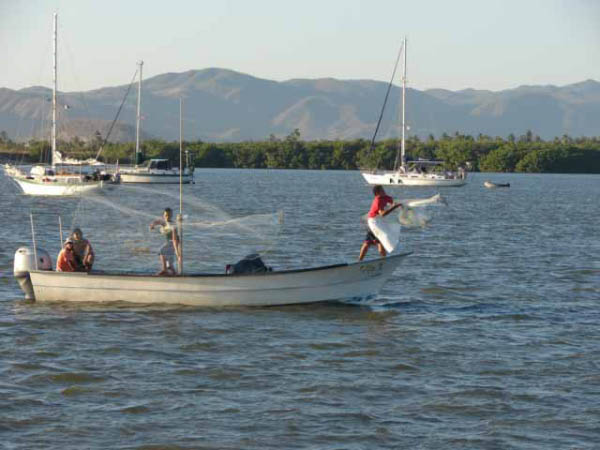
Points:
x=223 y=105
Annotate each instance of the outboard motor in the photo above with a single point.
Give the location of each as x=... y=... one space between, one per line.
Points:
x=24 y=262
x=250 y=264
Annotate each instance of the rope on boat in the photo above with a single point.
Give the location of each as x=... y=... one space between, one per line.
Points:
x=117 y=116
x=387 y=94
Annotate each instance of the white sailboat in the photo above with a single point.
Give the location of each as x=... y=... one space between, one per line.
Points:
x=59 y=178
x=155 y=171
x=414 y=173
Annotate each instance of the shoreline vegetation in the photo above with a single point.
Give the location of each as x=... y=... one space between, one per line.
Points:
x=526 y=153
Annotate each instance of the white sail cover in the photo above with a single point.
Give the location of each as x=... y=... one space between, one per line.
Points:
x=58 y=158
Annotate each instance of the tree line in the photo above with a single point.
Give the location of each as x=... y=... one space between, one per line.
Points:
x=526 y=153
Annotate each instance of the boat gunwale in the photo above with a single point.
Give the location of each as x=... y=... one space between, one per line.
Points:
x=100 y=273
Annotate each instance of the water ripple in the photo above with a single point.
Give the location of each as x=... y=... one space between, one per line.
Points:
x=487 y=337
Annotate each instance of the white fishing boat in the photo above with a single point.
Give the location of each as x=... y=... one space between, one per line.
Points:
x=414 y=173
x=154 y=171
x=55 y=179
x=357 y=281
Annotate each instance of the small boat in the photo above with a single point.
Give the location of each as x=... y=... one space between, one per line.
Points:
x=414 y=173
x=353 y=282
x=488 y=184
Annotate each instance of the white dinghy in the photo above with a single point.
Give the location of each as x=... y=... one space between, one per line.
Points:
x=490 y=185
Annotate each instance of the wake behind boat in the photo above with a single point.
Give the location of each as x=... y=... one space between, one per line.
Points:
x=356 y=282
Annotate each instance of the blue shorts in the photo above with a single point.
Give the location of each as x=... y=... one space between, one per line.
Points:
x=168 y=252
x=371 y=239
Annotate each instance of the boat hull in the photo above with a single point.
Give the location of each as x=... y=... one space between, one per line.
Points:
x=35 y=187
x=149 y=178
x=398 y=179
x=358 y=281
x=490 y=185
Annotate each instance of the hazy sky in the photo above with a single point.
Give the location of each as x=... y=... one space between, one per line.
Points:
x=483 y=44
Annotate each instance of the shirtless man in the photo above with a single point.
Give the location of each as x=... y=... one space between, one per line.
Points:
x=84 y=253
x=171 y=247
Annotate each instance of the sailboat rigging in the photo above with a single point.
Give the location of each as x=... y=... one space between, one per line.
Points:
x=156 y=170
x=415 y=172
x=58 y=178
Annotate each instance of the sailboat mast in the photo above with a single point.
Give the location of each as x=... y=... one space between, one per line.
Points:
x=180 y=216
x=138 y=116
x=181 y=155
x=54 y=49
x=403 y=159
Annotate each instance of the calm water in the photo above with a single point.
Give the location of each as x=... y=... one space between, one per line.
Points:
x=487 y=337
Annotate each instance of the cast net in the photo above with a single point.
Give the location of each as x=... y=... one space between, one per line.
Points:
x=118 y=228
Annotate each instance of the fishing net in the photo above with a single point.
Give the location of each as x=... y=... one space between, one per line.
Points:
x=415 y=215
x=413 y=218
x=119 y=229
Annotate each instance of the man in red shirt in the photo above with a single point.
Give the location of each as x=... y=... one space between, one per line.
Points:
x=377 y=210
x=66 y=258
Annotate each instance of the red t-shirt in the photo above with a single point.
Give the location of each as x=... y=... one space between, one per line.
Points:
x=379 y=203
x=66 y=261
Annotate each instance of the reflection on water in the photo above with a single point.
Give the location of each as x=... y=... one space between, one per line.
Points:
x=486 y=337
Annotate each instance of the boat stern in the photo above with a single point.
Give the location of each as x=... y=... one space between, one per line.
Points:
x=27 y=259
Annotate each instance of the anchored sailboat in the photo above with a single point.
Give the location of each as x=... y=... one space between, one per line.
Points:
x=59 y=178
x=154 y=171
x=414 y=173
